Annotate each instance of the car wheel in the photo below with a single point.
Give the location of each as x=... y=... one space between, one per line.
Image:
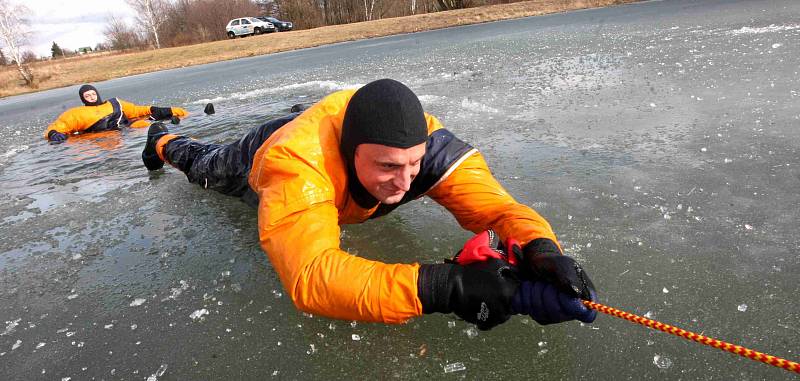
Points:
x=257 y=30
x=231 y=35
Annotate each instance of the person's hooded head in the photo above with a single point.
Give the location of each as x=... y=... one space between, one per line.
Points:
x=383 y=141
x=89 y=95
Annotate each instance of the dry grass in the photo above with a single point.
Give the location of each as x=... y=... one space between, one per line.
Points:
x=93 y=68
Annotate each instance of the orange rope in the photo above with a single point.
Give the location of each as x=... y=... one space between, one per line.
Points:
x=736 y=349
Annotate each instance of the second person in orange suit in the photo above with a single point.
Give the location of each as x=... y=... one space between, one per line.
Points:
x=97 y=115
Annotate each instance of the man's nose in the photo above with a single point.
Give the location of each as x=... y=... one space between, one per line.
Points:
x=403 y=179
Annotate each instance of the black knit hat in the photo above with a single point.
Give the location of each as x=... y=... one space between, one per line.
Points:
x=384 y=112
x=86 y=88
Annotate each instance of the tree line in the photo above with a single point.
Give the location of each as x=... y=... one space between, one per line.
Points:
x=168 y=23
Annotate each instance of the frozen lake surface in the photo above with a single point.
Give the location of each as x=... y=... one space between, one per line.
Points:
x=660 y=139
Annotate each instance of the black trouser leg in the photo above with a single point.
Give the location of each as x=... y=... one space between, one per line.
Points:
x=223 y=168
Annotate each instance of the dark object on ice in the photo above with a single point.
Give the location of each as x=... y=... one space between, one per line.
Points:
x=209 y=109
x=149 y=155
x=298 y=107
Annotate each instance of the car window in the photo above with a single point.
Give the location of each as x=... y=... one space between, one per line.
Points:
x=235 y=22
x=255 y=20
x=272 y=19
x=245 y=22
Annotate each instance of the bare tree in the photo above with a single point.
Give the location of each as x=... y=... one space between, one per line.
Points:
x=369 y=9
x=445 y=5
x=13 y=35
x=305 y=14
x=151 y=15
x=121 y=36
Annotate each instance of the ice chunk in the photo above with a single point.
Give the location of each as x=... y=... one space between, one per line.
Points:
x=742 y=307
x=72 y=296
x=198 y=314
x=665 y=290
x=12 y=325
x=662 y=362
x=356 y=337
x=40 y=345
x=16 y=345
x=137 y=302
x=158 y=373
x=454 y=367
x=471 y=332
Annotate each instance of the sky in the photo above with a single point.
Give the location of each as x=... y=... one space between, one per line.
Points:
x=72 y=24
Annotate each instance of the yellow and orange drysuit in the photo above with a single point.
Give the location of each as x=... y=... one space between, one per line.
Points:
x=112 y=114
x=300 y=178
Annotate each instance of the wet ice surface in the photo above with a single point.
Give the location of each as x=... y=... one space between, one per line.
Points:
x=659 y=142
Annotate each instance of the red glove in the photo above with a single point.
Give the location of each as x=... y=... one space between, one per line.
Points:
x=486 y=245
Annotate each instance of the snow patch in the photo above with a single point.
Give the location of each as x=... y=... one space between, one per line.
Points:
x=327 y=86
x=470 y=105
x=765 y=29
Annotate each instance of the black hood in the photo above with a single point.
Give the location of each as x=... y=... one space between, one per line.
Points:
x=86 y=88
x=384 y=112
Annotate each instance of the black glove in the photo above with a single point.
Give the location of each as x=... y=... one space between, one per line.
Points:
x=547 y=304
x=480 y=293
x=160 y=113
x=542 y=260
x=56 y=137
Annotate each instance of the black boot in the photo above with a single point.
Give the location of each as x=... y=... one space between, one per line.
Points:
x=149 y=155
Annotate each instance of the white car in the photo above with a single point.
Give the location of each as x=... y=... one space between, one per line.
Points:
x=248 y=25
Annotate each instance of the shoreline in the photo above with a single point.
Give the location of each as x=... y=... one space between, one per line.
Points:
x=105 y=66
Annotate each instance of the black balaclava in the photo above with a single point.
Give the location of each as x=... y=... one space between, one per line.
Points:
x=384 y=112
x=86 y=88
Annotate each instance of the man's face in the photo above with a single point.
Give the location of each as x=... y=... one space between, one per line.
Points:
x=387 y=172
x=90 y=96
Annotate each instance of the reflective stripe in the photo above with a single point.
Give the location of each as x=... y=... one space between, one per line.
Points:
x=454 y=166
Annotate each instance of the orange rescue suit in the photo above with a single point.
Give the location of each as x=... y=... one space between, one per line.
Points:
x=78 y=119
x=301 y=180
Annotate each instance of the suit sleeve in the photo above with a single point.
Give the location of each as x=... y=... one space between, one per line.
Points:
x=299 y=231
x=479 y=202
x=133 y=111
x=68 y=122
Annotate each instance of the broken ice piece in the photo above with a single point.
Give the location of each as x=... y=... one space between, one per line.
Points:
x=198 y=314
x=454 y=367
x=137 y=302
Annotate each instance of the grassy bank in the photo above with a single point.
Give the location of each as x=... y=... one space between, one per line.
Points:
x=93 y=68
